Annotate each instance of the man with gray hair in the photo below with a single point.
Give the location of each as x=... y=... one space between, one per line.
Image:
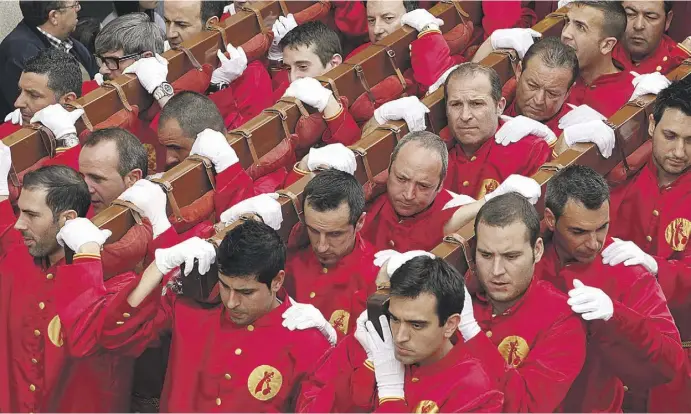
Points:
x=125 y=40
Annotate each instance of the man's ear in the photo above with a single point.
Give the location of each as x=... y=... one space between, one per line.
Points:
x=519 y=71
x=277 y=282
x=147 y=54
x=336 y=60
x=651 y=125
x=132 y=177
x=668 y=20
x=501 y=105
x=67 y=215
x=53 y=17
x=451 y=325
x=69 y=97
x=607 y=45
x=213 y=21
x=550 y=219
x=539 y=249
x=360 y=222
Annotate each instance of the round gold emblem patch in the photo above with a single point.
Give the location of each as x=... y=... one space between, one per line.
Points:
x=264 y=382
x=55 y=331
x=339 y=320
x=677 y=234
x=488 y=185
x=427 y=406
x=514 y=349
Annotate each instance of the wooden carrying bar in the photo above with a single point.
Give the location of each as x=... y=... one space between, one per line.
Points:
x=258 y=136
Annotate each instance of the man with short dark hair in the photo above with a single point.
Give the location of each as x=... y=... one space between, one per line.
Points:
x=645 y=47
x=335 y=273
x=532 y=341
x=38 y=372
x=651 y=221
x=46 y=24
x=111 y=160
x=233 y=357
x=417 y=364
x=185 y=19
x=51 y=77
x=632 y=340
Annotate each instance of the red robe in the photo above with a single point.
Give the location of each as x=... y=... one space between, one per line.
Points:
x=492 y=163
x=214 y=364
x=552 y=123
x=38 y=372
x=424 y=231
x=668 y=55
x=606 y=94
x=345 y=382
x=638 y=348
x=340 y=292
x=8 y=128
x=536 y=348
x=658 y=220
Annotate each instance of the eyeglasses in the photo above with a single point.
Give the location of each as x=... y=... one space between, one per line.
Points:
x=113 y=63
x=75 y=6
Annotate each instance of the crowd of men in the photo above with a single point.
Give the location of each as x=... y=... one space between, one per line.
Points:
x=583 y=307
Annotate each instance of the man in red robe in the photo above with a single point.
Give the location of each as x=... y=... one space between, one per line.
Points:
x=525 y=333
x=417 y=364
x=652 y=222
x=632 y=340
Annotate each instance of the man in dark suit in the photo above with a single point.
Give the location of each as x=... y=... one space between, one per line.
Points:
x=46 y=24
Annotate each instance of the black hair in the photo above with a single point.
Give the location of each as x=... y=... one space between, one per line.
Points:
x=677 y=95
x=131 y=153
x=578 y=183
x=254 y=250
x=409 y=5
x=65 y=189
x=423 y=274
x=332 y=187
x=211 y=8
x=554 y=54
x=61 y=68
x=194 y=112
x=614 y=19
x=36 y=12
x=314 y=34
x=507 y=209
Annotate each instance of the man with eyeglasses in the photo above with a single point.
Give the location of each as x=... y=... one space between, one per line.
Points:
x=46 y=24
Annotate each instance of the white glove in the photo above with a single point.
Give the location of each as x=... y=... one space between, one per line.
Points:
x=15 y=117
x=336 y=156
x=281 y=28
x=186 y=252
x=80 y=231
x=265 y=205
x=468 y=326
x=229 y=69
x=458 y=200
x=439 y=82
x=525 y=186
x=5 y=167
x=596 y=132
x=166 y=46
x=58 y=119
x=361 y=334
x=420 y=19
x=151 y=202
x=592 y=303
x=514 y=129
x=303 y=316
x=214 y=146
x=230 y=9
x=580 y=115
x=517 y=39
x=563 y=3
x=394 y=259
x=310 y=91
x=99 y=79
x=409 y=109
x=629 y=253
x=389 y=372
x=151 y=71
x=650 y=83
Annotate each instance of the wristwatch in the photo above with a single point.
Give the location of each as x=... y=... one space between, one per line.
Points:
x=67 y=141
x=163 y=90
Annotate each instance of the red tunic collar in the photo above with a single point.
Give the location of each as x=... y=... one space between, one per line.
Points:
x=354 y=258
x=482 y=299
x=271 y=319
x=458 y=353
x=683 y=180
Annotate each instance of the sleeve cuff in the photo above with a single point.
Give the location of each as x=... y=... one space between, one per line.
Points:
x=338 y=114
x=428 y=31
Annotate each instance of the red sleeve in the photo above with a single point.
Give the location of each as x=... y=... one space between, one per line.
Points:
x=539 y=154
x=500 y=15
x=640 y=341
x=544 y=378
x=674 y=277
x=306 y=357
x=232 y=186
x=350 y=17
x=9 y=237
x=429 y=58
x=342 y=128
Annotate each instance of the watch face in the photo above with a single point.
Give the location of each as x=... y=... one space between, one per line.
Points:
x=167 y=88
